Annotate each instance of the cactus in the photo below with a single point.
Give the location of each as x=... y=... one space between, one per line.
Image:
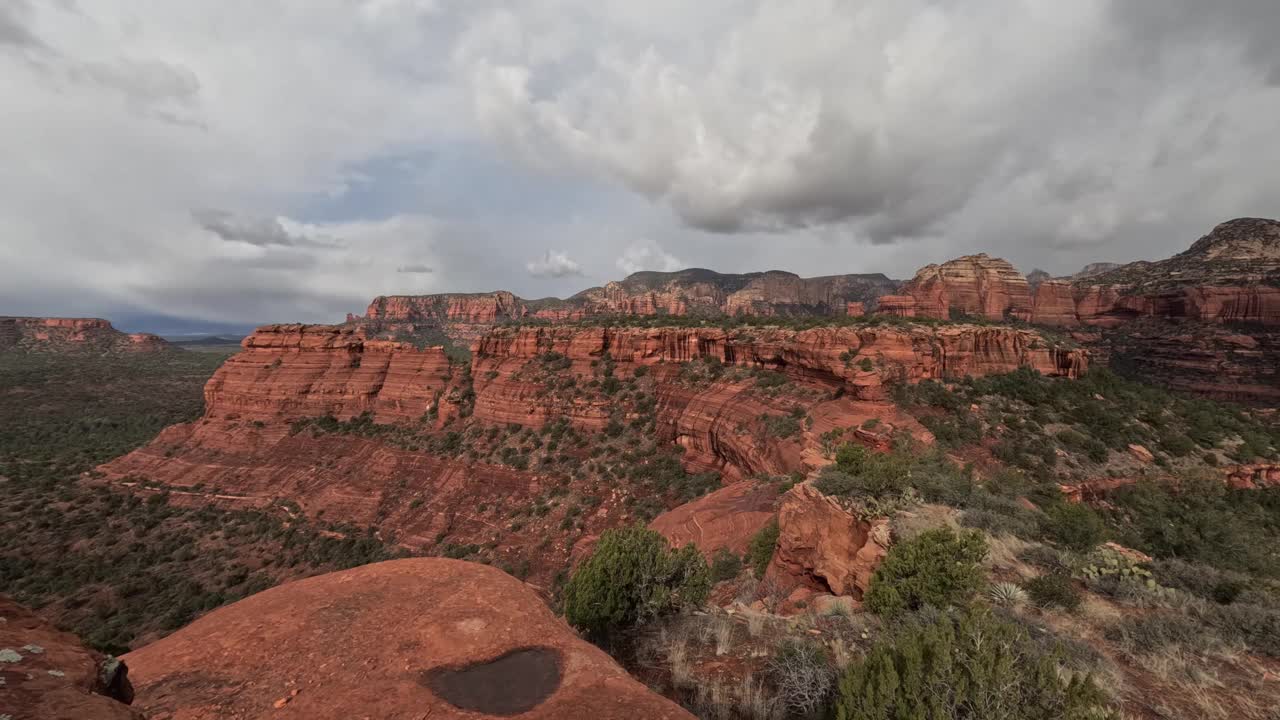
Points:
x=1112 y=573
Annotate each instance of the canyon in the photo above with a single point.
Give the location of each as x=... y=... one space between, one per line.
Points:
x=418 y=462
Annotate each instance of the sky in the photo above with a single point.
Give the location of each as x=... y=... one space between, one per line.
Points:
x=250 y=161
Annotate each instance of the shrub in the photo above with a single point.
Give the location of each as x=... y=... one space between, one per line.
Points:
x=769 y=379
x=725 y=565
x=632 y=578
x=1073 y=525
x=1255 y=626
x=1202 y=521
x=780 y=426
x=802 y=674
x=1157 y=631
x=938 y=568
x=963 y=666
x=1053 y=590
x=763 y=543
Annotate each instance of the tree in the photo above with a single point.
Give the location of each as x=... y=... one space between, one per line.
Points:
x=938 y=567
x=632 y=578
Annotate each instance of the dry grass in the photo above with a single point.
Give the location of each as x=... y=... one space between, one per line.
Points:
x=678 y=663
x=1003 y=553
x=724 y=631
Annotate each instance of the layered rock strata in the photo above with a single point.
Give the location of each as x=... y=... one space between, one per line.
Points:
x=973 y=285
x=298 y=371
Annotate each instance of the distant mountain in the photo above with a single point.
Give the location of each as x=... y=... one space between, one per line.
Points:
x=172 y=326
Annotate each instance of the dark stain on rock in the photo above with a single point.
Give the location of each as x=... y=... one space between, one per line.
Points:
x=511 y=684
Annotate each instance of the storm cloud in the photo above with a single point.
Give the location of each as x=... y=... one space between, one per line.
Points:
x=239 y=161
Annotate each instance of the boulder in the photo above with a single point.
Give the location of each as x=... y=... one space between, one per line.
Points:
x=399 y=640
x=1141 y=453
x=824 y=546
x=50 y=675
x=725 y=519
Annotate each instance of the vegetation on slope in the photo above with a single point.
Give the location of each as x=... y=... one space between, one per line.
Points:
x=114 y=567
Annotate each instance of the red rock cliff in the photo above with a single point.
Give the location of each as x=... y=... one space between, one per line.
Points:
x=286 y=372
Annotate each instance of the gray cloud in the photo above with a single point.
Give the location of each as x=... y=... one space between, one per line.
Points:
x=13 y=28
x=259 y=231
x=903 y=119
x=804 y=135
x=418 y=269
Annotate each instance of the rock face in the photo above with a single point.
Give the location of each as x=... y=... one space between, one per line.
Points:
x=297 y=371
x=719 y=425
x=973 y=285
x=73 y=335
x=726 y=519
x=1054 y=304
x=1223 y=363
x=466 y=317
x=49 y=674
x=399 y=640
x=1231 y=275
x=823 y=545
x=829 y=354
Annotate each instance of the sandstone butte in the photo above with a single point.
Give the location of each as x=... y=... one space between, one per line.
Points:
x=48 y=674
x=398 y=640
x=73 y=334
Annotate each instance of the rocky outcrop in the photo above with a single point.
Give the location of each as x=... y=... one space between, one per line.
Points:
x=73 y=335
x=862 y=359
x=721 y=424
x=49 y=674
x=726 y=519
x=1254 y=477
x=896 y=305
x=973 y=285
x=824 y=546
x=1240 y=477
x=465 y=317
x=287 y=372
x=399 y=640
x=1094 y=269
x=1231 y=275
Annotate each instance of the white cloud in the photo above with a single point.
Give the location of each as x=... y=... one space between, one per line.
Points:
x=554 y=264
x=647 y=255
